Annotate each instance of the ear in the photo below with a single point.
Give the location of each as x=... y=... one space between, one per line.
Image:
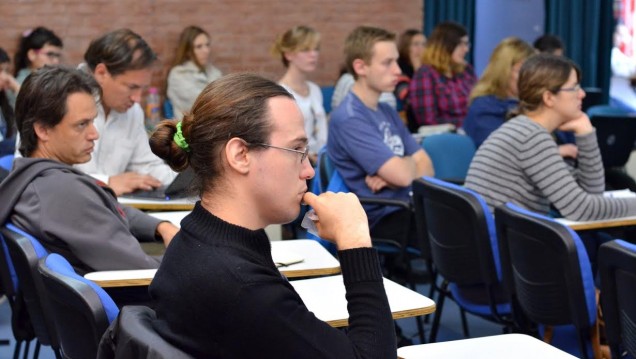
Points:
x=289 y=56
x=31 y=54
x=359 y=67
x=41 y=131
x=236 y=155
x=548 y=98
x=100 y=73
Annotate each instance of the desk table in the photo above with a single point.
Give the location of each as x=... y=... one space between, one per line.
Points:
x=598 y=224
x=518 y=346
x=317 y=261
x=181 y=204
x=325 y=297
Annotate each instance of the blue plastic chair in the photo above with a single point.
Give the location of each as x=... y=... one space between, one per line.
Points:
x=6 y=162
x=457 y=228
x=617 y=265
x=604 y=110
x=327 y=94
x=547 y=270
x=25 y=251
x=83 y=311
x=451 y=155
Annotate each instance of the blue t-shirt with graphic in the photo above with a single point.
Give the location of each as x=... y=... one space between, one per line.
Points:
x=360 y=141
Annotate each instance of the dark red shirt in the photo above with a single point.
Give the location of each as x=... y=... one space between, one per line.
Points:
x=437 y=99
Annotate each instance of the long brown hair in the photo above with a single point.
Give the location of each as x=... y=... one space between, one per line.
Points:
x=185 y=49
x=233 y=106
x=541 y=73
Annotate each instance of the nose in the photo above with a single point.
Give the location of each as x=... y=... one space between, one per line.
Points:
x=135 y=95
x=396 y=69
x=93 y=134
x=308 y=171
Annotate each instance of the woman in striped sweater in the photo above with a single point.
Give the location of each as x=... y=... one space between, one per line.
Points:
x=520 y=162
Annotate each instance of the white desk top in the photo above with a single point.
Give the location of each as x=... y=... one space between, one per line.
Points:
x=325 y=297
x=316 y=261
x=518 y=346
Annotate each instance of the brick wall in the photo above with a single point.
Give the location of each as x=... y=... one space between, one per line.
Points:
x=242 y=31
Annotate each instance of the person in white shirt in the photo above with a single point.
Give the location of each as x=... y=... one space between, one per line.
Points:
x=191 y=70
x=298 y=49
x=121 y=62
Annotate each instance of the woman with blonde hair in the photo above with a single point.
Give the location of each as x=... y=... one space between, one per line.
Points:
x=496 y=92
x=298 y=49
x=438 y=92
x=191 y=70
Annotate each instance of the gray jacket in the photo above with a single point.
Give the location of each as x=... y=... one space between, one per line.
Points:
x=71 y=214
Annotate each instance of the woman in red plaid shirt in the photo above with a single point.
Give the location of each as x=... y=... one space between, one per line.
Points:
x=439 y=90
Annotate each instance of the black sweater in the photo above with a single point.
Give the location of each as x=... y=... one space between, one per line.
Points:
x=218 y=294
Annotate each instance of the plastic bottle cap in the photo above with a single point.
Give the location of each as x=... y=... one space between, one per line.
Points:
x=153 y=90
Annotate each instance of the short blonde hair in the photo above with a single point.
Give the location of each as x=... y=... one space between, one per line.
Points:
x=496 y=76
x=298 y=38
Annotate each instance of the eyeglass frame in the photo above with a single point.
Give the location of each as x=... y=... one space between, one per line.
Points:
x=304 y=154
x=575 y=88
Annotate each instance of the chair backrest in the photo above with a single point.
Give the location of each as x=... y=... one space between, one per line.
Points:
x=546 y=268
x=451 y=155
x=25 y=251
x=6 y=162
x=327 y=94
x=20 y=321
x=616 y=134
x=617 y=265
x=459 y=230
x=604 y=110
x=81 y=308
x=133 y=336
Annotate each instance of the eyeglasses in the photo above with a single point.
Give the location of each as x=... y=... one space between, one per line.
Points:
x=575 y=88
x=303 y=154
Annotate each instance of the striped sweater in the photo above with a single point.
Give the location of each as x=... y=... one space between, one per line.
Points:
x=520 y=163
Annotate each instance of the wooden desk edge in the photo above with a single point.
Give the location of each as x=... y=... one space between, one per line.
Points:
x=133 y=282
x=309 y=272
x=603 y=224
x=396 y=315
x=111 y=283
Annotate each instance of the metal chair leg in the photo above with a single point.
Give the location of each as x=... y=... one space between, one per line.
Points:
x=438 y=312
x=420 y=329
x=36 y=352
x=26 y=349
x=17 y=349
x=464 y=323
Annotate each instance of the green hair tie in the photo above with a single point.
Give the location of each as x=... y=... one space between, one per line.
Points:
x=180 y=140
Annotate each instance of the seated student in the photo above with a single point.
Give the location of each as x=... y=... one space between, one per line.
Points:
x=217 y=293
x=496 y=91
x=299 y=49
x=122 y=63
x=410 y=47
x=520 y=161
x=69 y=212
x=38 y=47
x=344 y=85
x=368 y=143
x=438 y=92
x=8 y=88
x=191 y=70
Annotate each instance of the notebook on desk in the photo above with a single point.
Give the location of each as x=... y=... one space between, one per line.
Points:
x=177 y=189
x=616 y=136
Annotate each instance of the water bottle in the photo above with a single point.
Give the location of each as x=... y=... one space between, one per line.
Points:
x=153 y=109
